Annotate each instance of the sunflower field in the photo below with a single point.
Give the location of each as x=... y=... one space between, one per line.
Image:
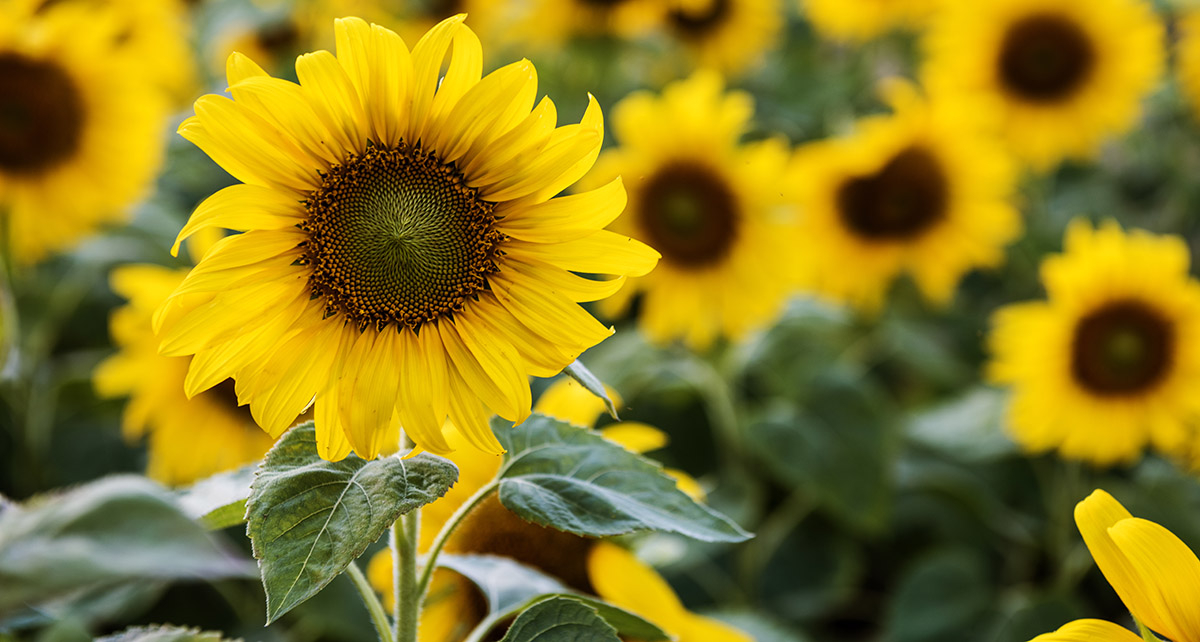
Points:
x=600 y=320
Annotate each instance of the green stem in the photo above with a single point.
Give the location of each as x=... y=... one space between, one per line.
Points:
x=378 y=616
x=448 y=529
x=404 y=536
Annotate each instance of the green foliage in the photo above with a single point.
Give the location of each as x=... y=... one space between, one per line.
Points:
x=510 y=587
x=103 y=534
x=579 y=372
x=163 y=634
x=219 y=501
x=570 y=478
x=308 y=518
x=560 y=618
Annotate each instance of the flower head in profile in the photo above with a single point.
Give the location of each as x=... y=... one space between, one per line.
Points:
x=178 y=452
x=404 y=260
x=1156 y=575
x=1067 y=74
x=710 y=204
x=923 y=191
x=80 y=131
x=1110 y=362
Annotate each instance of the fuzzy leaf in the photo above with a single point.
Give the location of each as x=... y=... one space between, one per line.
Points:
x=560 y=618
x=162 y=634
x=572 y=479
x=308 y=518
x=219 y=501
x=592 y=384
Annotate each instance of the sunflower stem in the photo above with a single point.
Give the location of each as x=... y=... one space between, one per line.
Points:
x=378 y=616
x=448 y=529
x=408 y=597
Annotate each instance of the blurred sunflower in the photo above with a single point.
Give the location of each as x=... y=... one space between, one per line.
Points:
x=553 y=22
x=157 y=33
x=866 y=19
x=1188 y=56
x=1111 y=361
x=1155 y=574
x=80 y=125
x=403 y=257
x=1069 y=74
x=593 y=566
x=923 y=191
x=727 y=35
x=188 y=439
x=711 y=205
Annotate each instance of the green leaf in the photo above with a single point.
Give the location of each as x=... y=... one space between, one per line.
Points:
x=509 y=586
x=162 y=634
x=560 y=618
x=115 y=529
x=219 y=501
x=969 y=427
x=308 y=518
x=570 y=478
x=592 y=384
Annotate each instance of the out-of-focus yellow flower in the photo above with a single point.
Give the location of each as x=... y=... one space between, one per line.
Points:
x=81 y=134
x=404 y=259
x=728 y=35
x=1156 y=575
x=550 y=23
x=862 y=20
x=492 y=529
x=187 y=439
x=1068 y=74
x=710 y=204
x=1111 y=361
x=924 y=191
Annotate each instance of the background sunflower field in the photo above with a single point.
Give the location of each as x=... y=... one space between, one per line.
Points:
x=927 y=280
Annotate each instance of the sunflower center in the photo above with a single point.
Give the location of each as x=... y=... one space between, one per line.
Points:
x=279 y=37
x=689 y=213
x=1122 y=348
x=1045 y=58
x=900 y=201
x=395 y=236
x=695 y=24
x=492 y=529
x=41 y=115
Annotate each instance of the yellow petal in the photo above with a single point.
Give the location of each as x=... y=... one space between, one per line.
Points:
x=704 y=629
x=635 y=436
x=602 y=252
x=568 y=217
x=367 y=391
x=489 y=365
x=334 y=99
x=427 y=57
x=625 y=581
x=242 y=207
x=1089 y=631
x=522 y=143
x=1168 y=573
x=332 y=444
x=422 y=372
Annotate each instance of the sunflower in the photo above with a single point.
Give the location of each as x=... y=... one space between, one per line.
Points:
x=402 y=255
x=1111 y=361
x=1188 y=56
x=1068 y=74
x=453 y=607
x=550 y=23
x=1155 y=574
x=157 y=33
x=188 y=439
x=923 y=191
x=866 y=19
x=709 y=204
x=80 y=136
x=728 y=35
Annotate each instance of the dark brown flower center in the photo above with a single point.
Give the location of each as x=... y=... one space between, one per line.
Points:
x=396 y=236
x=492 y=529
x=41 y=115
x=280 y=38
x=900 y=201
x=689 y=213
x=1045 y=58
x=697 y=24
x=1122 y=348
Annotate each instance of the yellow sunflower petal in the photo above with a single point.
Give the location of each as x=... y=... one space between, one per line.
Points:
x=622 y=579
x=1168 y=574
x=1089 y=631
x=635 y=436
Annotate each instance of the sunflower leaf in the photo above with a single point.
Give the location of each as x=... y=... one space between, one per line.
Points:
x=113 y=530
x=560 y=618
x=308 y=518
x=592 y=384
x=218 y=501
x=570 y=478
